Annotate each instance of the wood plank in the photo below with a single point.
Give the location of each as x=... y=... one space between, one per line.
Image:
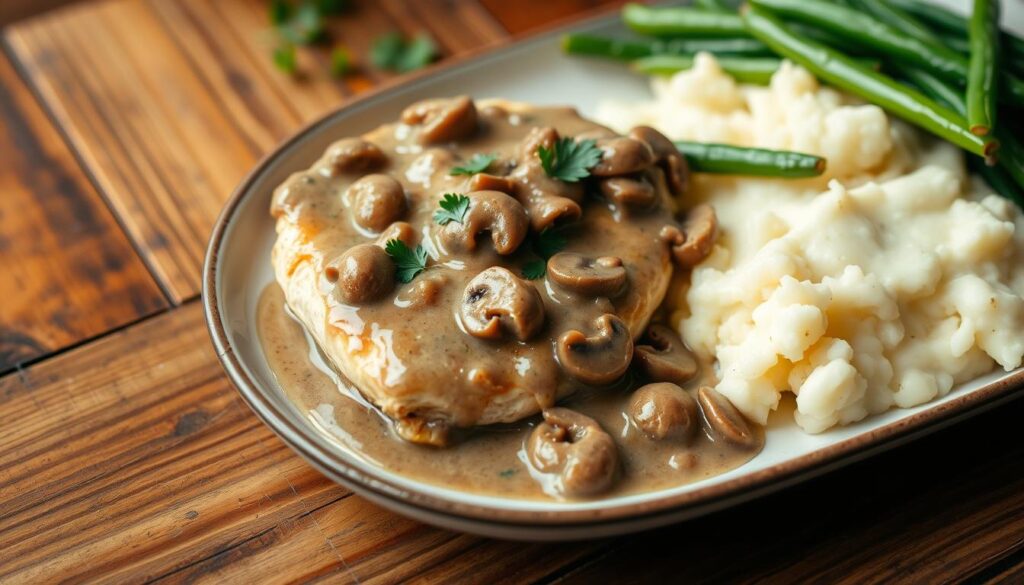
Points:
x=69 y=271
x=15 y=10
x=524 y=16
x=170 y=103
x=132 y=456
x=942 y=508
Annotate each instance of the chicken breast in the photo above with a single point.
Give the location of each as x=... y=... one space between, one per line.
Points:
x=532 y=285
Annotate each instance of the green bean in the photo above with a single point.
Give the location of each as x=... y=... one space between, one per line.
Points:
x=864 y=29
x=982 y=78
x=758 y=162
x=845 y=73
x=629 y=49
x=662 y=22
x=1010 y=170
x=758 y=71
x=898 y=19
x=712 y=5
x=950 y=22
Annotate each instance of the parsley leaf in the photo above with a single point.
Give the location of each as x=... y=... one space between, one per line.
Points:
x=549 y=242
x=341 y=62
x=409 y=262
x=546 y=244
x=284 y=58
x=478 y=163
x=280 y=11
x=393 y=52
x=569 y=160
x=304 y=26
x=535 y=269
x=453 y=208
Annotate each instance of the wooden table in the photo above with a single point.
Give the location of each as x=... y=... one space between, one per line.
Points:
x=125 y=454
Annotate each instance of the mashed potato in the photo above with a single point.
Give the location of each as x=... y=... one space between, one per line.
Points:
x=885 y=282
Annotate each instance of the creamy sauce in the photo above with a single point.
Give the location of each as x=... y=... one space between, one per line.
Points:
x=444 y=370
x=487 y=460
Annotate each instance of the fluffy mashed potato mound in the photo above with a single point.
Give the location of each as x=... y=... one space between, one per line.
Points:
x=885 y=282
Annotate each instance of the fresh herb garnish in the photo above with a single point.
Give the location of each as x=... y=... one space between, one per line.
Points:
x=393 y=52
x=453 y=208
x=280 y=11
x=284 y=58
x=546 y=244
x=341 y=62
x=478 y=163
x=304 y=25
x=569 y=160
x=409 y=262
x=535 y=269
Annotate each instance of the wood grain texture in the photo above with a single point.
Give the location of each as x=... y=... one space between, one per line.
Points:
x=170 y=103
x=63 y=254
x=115 y=469
x=521 y=17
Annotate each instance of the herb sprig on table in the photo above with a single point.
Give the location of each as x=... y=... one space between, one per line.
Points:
x=304 y=24
x=569 y=160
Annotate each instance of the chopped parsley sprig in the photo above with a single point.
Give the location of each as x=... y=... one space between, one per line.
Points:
x=409 y=262
x=478 y=163
x=569 y=160
x=394 y=52
x=546 y=244
x=453 y=208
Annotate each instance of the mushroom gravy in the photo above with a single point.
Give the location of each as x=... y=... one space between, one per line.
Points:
x=487 y=460
x=470 y=267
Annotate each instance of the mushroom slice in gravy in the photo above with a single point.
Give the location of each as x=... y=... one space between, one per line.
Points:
x=455 y=299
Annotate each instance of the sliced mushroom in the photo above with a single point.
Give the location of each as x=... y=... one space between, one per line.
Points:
x=594 y=277
x=663 y=357
x=725 y=420
x=364 y=273
x=376 y=201
x=485 y=182
x=576 y=451
x=694 y=241
x=425 y=291
x=489 y=211
x=539 y=136
x=622 y=156
x=352 y=155
x=600 y=359
x=630 y=192
x=435 y=433
x=497 y=302
x=442 y=120
x=664 y=411
x=673 y=163
x=548 y=202
x=401 y=231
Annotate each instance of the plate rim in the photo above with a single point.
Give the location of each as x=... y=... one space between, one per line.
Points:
x=746 y=486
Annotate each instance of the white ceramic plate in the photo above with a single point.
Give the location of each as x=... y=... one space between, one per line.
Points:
x=238 y=267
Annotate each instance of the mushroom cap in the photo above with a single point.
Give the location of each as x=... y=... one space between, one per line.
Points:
x=677 y=171
x=352 y=155
x=694 y=241
x=600 y=359
x=663 y=357
x=664 y=411
x=725 y=420
x=442 y=120
x=595 y=277
x=497 y=302
x=629 y=192
x=489 y=211
x=362 y=274
x=621 y=156
x=577 y=449
x=376 y=201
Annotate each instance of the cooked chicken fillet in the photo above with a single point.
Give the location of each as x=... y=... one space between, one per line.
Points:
x=470 y=340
